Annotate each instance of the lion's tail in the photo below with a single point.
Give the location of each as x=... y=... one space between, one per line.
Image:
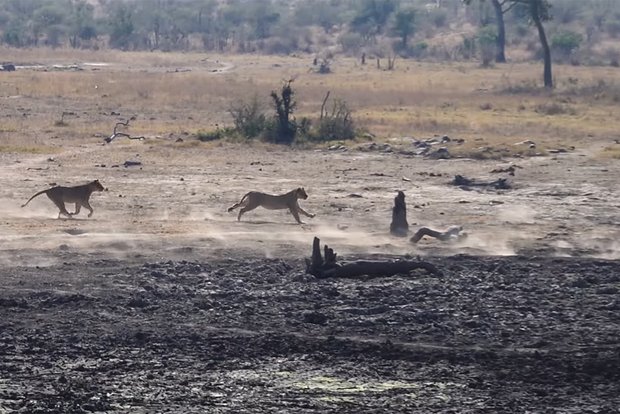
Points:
x=234 y=206
x=37 y=194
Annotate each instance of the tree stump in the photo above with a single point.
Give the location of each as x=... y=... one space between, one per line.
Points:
x=399 y=226
x=363 y=269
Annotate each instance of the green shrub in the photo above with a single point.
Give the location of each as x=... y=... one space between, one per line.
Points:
x=565 y=43
x=249 y=118
x=487 y=39
x=554 y=108
x=336 y=124
x=612 y=28
x=351 y=42
x=205 y=136
x=523 y=87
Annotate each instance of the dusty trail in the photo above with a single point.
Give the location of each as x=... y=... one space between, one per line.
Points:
x=178 y=198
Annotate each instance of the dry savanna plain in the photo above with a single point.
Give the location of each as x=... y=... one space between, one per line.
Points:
x=163 y=302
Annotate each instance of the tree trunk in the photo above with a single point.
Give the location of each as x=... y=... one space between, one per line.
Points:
x=537 y=19
x=500 y=57
x=399 y=226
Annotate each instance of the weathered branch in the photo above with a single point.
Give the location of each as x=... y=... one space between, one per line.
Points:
x=120 y=134
x=324 y=102
x=453 y=233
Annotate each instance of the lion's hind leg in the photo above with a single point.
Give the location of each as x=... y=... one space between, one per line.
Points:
x=56 y=198
x=244 y=201
x=234 y=206
x=62 y=209
x=245 y=209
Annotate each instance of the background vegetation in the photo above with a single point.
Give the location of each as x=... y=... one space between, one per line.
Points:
x=581 y=32
x=446 y=79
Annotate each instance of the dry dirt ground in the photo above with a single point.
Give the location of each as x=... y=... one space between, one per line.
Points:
x=163 y=302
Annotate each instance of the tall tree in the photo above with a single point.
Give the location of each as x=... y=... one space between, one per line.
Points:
x=538 y=12
x=81 y=23
x=404 y=25
x=371 y=17
x=122 y=26
x=500 y=7
x=500 y=10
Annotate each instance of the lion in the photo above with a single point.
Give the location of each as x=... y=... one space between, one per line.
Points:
x=289 y=200
x=78 y=195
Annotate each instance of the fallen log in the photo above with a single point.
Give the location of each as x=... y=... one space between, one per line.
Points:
x=362 y=269
x=453 y=233
x=499 y=184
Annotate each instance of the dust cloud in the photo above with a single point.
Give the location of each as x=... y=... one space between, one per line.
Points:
x=517 y=214
x=130 y=222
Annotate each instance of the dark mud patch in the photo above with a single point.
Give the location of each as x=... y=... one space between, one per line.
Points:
x=510 y=334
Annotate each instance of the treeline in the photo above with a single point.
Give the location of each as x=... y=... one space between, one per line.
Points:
x=439 y=29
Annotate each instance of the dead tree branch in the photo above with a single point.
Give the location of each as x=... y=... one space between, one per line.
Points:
x=453 y=233
x=120 y=134
x=323 y=104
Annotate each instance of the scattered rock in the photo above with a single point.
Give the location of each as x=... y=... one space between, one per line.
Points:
x=440 y=154
x=315 y=318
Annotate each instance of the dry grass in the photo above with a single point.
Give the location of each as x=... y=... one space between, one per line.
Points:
x=611 y=152
x=23 y=149
x=180 y=93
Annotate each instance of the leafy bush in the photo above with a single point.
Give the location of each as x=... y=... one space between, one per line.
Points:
x=524 y=87
x=249 y=118
x=336 y=124
x=205 y=136
x=565 y=43
x=467 y=48
x=439 y=17
x=613 y=28
x=351 y=42
x=487 y=38
x=554 y=108
x=599 y=90
x=418 y=50
x=280 y=45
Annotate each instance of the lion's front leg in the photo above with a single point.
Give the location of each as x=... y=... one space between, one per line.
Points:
x=295 y=214
x=305 y=212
